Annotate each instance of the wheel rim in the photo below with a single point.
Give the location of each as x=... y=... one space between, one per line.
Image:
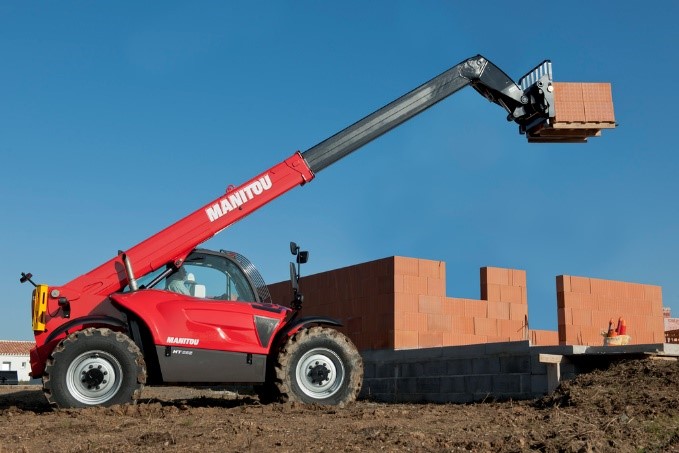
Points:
x=320 y=373
x=94 y=377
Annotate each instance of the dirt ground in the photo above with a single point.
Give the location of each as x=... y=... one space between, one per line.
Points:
x=632 y=406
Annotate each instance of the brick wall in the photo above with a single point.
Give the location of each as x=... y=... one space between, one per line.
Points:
x=401 y=303
x=585 y=307
x=359 y=296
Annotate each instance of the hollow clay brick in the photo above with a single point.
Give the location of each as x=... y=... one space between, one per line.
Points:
x=518 y=312
x=430 y=339
x=404 y=339
x=598 y=102
x=564 y=316
x=386 y=284
x=568 y=103
x=432 y=269
x=519 y=278
x=636 y=291
x=462 y=324
x=453 y=306
x=603 y=288
x=561 y=299
x=436 y=286
x=439 y=323
x=414 y=284
x=601 y=319
x=572 y=300
x=572 y=336
x=544 y=337
x=511 y=294
x=561 y=332
x=485 y=326
x=475 y=308
x=581 y=317
x=406 y=266
x=563 y=283
x=490 y=291
x=580 y=285
x=355 y=324
x=384 y=341
x=386 y=303
x=406 y=303
x=652 y=292
x=511 y=329
x=430 y=304
x=498 y=310
x=459 y=339
x=495 y=275
x=591 y=336
x=405 y=321
x=422 y=322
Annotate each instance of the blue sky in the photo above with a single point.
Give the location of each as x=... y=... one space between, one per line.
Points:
x=117 y=119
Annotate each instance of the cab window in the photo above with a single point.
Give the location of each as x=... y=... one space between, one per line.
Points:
x=211 y=277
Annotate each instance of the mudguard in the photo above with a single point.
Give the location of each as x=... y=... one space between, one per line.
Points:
x=294 y=325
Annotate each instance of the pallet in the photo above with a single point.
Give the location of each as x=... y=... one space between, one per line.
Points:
x=581 y=111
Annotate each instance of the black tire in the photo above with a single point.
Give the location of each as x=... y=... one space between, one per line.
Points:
x=94 y=367
x=319 y=365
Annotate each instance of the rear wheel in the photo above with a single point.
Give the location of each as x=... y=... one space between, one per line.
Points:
x=319 y=365
x=94 y=367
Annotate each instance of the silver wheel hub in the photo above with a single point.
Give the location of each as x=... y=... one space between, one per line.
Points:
x=320 y=373
x=94 y=377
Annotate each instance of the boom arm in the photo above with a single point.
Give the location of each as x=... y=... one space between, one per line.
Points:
x=483 y=75
x=173 y=244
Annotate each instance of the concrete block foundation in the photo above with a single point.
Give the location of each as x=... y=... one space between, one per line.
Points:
x=494 y=371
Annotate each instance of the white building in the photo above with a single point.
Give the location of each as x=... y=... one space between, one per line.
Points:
x=14 y=356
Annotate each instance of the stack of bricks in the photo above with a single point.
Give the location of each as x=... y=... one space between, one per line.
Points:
x=581 y=110
x=586 y=306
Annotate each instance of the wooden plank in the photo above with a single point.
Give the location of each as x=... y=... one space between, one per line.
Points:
x=663 y=358
x=552 y=358
x=580 y=125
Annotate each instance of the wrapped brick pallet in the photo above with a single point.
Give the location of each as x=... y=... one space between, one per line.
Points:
x=581 y=110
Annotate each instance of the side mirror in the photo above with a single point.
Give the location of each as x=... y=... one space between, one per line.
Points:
x=294 y=248
x=302 y=257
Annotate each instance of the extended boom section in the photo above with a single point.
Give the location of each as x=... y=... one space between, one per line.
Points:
x=477 y=71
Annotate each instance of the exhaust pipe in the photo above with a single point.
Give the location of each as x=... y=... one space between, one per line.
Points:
x=128 y=271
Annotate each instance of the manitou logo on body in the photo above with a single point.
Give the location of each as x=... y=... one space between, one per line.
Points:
x=180 y=340
x=235 y=199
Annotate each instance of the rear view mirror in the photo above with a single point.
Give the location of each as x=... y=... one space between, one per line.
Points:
x=302 y=257
x=294 y=248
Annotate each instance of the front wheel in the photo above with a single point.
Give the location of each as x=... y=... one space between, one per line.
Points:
x=319 y=365
x=94 y=367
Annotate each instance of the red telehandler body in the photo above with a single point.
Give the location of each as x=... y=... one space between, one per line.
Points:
x=166 y=312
